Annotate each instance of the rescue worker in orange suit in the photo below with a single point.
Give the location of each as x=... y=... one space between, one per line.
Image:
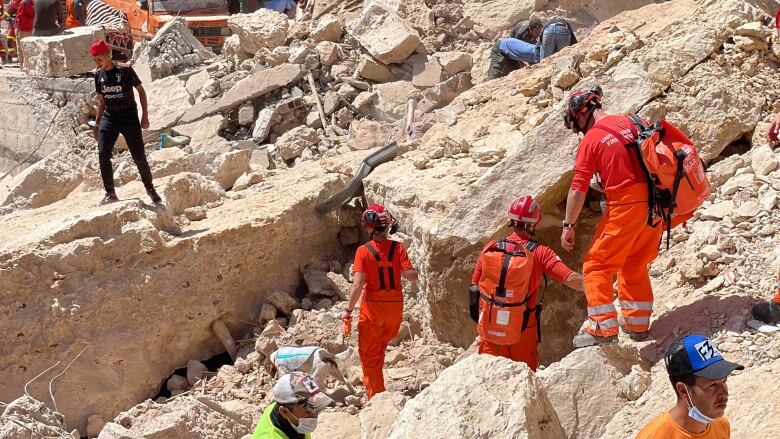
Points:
x=524 y=215
x=623 y=243
x=379 y=266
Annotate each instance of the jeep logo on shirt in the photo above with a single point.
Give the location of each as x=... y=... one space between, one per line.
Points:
x=112 y=89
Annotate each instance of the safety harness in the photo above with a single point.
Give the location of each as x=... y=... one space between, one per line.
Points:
x=385 y=267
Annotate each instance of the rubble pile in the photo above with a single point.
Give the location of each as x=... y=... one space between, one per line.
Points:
x=172 y=49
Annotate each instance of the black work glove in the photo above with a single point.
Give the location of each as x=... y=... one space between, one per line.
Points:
x=474 y=302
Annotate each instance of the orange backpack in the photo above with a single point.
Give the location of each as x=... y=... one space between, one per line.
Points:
x=677 y=182
x=504 y=293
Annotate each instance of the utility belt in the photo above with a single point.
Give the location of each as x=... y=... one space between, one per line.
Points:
x=537 y=310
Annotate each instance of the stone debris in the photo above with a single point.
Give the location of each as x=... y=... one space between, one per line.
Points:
x=174 y=48
x=61 y=55
x=263 y=29
x=384 y=34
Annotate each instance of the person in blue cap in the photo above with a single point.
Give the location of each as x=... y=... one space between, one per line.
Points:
x=698 y=373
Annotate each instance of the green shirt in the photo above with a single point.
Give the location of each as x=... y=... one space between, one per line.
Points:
x=267 y=430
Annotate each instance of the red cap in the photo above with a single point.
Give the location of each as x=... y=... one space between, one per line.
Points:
x=99 y=48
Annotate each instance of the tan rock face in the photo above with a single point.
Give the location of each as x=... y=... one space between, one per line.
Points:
x=468 y=398
x=378 y=415
x=374 y=71
x=385 y=35
x=326 y=28
x=264 y=28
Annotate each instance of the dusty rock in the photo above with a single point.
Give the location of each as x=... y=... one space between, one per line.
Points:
x=328 y=52
x=267 y=313
x=454 y=62
x=264 y=28
x=266 y=341
x=188 y=190
x=384 y=34
x=490 y=18
x=43 y=183
x=260 y=160
x=33 y=414
x=259 y=84
x=566 y=78
x=337 y=425
x=749 y=44
x=369 y=69
x=265 y=120
x=116 y=431
x=246 y=115
x=195 y=371
x=229 y=166
x=391 y=101
x=61 y=55
x=171 y=101
x=282 y=301
x=738 y=182
x=177 y=382
x=196 y=83
x=326 y=28
x=763 y=160
x=295 y=141
x=247 y=180
x=378 y=415
x=197 y=213
x=724 y=169
x=172 y=49
x=595 y=369
x=426 y=71
x=474 y=392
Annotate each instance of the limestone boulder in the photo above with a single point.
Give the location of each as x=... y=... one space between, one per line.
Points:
x=337 y=425
x=426 y=71
x=454 y=62
x=589 y=381
x=264 y=28
x=492 y=17
x=763 y=160
x=295 y=141
x=204 y=134
x=328 y=53
x=25 y=414
x=45 y=182
x=391 y=100
x=173 y=48
x=386 y=36
x=326 y=28
x=61 y=55
x=469 y=396
x=229 y=166
x=169 y=100
x=188 y=190
x=372 y=70
x=378 y=415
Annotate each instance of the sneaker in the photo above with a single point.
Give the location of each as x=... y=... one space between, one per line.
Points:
x=110 y=197
x=154 y=196
x=585 y=339
x=767 y=312
x=636 y=336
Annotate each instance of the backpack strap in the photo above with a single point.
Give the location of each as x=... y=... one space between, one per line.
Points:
x=378 y=258
x=390 y=272
x=501 y=287
x=531 y=246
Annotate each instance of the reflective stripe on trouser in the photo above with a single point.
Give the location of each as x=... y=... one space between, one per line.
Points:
x=524 y=351
x=379 y=323
x=636 y=315
x=623 y=245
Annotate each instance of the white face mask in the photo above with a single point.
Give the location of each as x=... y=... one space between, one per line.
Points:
x=694 y=412
x=304 y=425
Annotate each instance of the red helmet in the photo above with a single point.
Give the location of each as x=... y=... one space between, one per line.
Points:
x=376 y=217
x=525 y=210
x=580 y=101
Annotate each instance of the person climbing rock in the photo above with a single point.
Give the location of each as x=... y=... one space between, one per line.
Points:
x=556 y=35
x=49 y=18
x=379 y=266
x=624 y=244
x=117 y=114
x=768 y=312
x=698 y=373
x=529 y=30
x=509 y=54
x=514 y=331
x=298 y=401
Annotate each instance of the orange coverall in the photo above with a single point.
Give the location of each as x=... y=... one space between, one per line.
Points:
x=777 y=296
x=381 y=308
x=546 y=262
x=623 y=244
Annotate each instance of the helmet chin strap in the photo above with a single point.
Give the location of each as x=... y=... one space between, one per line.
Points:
x=587 y=123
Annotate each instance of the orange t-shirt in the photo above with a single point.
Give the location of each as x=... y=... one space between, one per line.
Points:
x=664 y=427
x=366 y=263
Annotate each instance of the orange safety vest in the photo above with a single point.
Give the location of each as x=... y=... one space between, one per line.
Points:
x=389 y=280
x=71 y=18
x=504 y=293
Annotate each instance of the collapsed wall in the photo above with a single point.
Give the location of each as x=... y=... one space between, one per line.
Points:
x=140 y=288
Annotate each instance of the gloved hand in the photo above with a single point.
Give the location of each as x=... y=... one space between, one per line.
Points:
x=346 y=327
x=567 y=238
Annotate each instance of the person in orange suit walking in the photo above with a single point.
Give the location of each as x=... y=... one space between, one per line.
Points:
x=524 y=215
x=623 y=243
x=379 y=266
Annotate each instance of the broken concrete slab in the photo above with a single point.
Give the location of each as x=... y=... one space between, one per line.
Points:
x=229 y=166
x=386 y=36
x=61 y=55
x=264 y=28
x=204 y=134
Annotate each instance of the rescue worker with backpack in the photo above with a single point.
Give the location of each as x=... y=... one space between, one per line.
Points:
x=504 y=296
x=379 y=266
x=653 y=180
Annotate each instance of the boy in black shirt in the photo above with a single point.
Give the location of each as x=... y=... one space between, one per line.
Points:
x=117 y=114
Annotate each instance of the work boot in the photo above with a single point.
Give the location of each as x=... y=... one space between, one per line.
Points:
x=585 y=339
x=636 y=336
x=154 y=196
x=110 y=197
x=767 y=312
